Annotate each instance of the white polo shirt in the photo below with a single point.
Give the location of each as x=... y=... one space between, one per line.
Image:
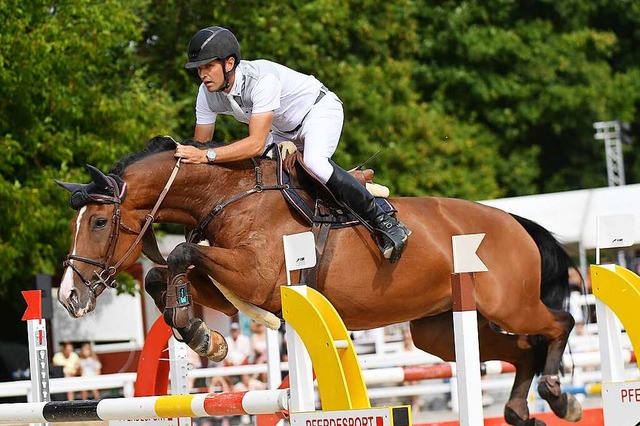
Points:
x=262 y=86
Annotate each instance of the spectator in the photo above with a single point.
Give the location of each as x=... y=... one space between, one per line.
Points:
x=239 y=347
x=259 y=343
x=247 y=383
x=90 y=366
x=219 y=384
x=69 y=361
x=259 y=347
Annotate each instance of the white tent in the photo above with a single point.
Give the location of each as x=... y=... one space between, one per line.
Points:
x=571 y=215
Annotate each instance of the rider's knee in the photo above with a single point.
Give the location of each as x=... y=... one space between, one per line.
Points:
x=319 y=166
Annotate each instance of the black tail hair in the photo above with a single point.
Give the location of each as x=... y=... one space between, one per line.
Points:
x=554 y=286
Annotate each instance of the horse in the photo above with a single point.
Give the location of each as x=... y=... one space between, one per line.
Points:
x=239 y=208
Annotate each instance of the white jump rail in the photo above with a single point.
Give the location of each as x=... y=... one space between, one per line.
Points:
x=148 y=408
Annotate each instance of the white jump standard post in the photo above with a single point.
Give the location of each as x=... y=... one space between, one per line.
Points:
x=299 y=253
x=617 y=292
x=38 y=353
x=465 y=323
x=316 y=335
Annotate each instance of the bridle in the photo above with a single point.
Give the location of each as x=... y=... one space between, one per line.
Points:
x=106 y=274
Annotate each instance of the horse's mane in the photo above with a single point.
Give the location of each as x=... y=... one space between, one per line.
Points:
x=155 y=145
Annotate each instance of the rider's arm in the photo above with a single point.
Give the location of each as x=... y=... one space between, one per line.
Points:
x=252 y=145
x=249 y=147
x=203 y=132
x=205 y=118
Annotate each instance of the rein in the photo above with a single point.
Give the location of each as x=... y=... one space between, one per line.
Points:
x=106 y=275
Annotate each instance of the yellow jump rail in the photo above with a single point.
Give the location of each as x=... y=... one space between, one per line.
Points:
x=619 y=289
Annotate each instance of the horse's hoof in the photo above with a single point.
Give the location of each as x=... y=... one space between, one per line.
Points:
x=574 y=409
x=529 y=422
x=206 y=342
x=516 y=412
x=218 y=347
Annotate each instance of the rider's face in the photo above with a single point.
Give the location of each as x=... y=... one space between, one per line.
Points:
x=212 y=75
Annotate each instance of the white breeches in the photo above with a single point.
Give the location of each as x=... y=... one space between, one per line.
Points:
x=319 y=135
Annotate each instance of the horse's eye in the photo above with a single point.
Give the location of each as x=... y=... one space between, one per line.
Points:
x=100 y=223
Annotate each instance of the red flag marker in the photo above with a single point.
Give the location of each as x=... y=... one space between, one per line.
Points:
x=34 y=304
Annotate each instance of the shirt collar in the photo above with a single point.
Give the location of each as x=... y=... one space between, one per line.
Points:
x=238 y=83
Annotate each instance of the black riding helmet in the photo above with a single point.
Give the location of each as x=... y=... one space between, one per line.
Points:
x=212 y=43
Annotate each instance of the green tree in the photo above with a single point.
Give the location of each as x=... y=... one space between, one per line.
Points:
x=72 y=92
x=535 y=75
x=471 y=99
x=364 y=51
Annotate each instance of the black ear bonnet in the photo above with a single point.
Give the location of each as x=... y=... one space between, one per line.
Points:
x=103 y=189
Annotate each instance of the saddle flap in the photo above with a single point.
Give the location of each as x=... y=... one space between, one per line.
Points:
x=312 y=199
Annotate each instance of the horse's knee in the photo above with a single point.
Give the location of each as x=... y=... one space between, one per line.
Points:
x=180 y=257
x=567 y=320
x=155 y=284
x=156 y=277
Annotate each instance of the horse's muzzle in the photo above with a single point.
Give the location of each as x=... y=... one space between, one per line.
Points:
x=78 y=306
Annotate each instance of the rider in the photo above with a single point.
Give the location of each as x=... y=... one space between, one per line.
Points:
x=279 y=104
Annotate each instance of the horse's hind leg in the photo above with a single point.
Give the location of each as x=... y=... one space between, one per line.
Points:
x=555 y=326
x=434 y=334
x=563 y=405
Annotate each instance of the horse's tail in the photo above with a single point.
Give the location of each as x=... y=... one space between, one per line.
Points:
x=554 y=286
x=555 y=262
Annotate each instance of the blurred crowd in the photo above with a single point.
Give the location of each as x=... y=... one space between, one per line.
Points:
x=84 y=363
x=247 y=346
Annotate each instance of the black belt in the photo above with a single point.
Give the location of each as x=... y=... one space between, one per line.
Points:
x=323 y=91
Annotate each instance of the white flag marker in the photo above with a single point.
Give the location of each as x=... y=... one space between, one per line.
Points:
x=615 y=230
x=465 y=258
x=299 y=252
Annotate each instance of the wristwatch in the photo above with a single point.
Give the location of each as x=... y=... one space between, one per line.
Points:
x=211 y=155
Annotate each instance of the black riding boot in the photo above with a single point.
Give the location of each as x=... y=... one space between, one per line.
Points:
x=350 y=192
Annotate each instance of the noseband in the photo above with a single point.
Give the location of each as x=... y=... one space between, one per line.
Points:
x=106 y=275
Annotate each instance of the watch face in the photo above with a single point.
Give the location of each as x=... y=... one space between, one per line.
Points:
x=211 y=155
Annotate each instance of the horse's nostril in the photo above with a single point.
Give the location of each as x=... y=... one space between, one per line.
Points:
x=73 y=295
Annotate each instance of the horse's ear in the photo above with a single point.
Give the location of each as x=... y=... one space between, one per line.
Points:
x=71 y=187
x=99 y=178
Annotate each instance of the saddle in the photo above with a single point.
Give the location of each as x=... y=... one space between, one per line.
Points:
x=312 y=200
x=316 y=204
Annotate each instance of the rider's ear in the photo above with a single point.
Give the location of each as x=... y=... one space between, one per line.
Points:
x=229 y=64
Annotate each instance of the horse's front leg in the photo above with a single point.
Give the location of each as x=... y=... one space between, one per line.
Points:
x=155 y=284
x=193 y=331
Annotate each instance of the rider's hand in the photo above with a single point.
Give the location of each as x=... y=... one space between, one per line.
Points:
x=191 y=154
